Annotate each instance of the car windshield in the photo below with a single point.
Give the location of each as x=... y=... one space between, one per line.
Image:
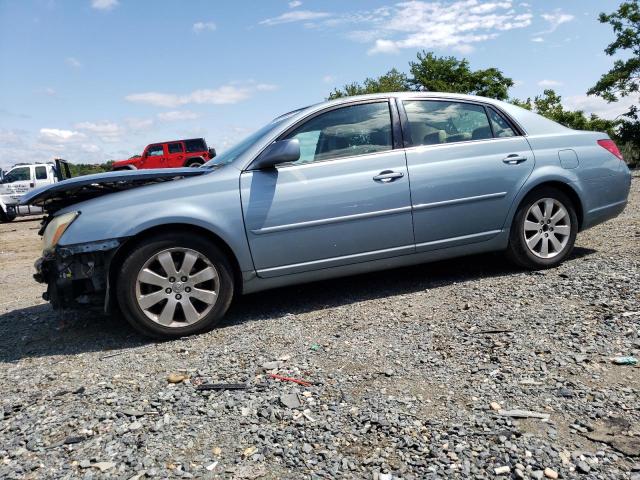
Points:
x=239 y=148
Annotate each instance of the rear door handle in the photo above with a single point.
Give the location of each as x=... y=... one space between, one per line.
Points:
x=387 y=176
x=514 y=159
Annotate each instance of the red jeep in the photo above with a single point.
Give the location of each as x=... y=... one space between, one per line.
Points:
x=177 y=153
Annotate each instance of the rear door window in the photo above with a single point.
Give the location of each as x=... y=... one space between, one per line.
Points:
x=433 y=122
x=501 y=127
x=41 y=173
x=197 y=145
x=175 y=147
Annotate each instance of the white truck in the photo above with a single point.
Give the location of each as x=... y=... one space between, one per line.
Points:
x=23 y=178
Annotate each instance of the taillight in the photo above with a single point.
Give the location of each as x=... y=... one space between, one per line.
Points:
x=611 y=146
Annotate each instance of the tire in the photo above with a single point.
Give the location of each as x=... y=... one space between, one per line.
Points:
x=194 y=162
x=526 y=245
x=177 y=308
x=6 y=217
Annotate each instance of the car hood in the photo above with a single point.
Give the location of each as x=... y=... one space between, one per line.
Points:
x=74 y=190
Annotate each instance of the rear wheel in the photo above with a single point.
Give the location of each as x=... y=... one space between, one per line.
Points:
x=175 y=285
x=194 y=163
x=544 y=229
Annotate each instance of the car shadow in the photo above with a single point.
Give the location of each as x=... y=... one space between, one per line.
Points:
x=39 y=331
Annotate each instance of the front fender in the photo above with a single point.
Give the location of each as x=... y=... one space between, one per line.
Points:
x=211 y=202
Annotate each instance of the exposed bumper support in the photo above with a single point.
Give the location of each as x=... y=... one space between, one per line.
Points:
x=77 y=275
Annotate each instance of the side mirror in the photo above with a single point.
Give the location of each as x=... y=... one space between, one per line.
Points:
x=283 y=151
x=212 y=152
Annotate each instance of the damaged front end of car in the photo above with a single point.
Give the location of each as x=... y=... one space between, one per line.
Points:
x=77 y=276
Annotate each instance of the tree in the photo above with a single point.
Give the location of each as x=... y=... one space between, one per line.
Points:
x=448 y=74
x=436 y=74
x=392 y=81
x=624 y=78
x=549 y=105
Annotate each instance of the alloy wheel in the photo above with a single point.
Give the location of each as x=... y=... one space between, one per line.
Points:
x=177 y=287
x=547 y=228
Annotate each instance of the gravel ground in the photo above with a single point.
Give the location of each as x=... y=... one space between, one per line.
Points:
x=416 y=373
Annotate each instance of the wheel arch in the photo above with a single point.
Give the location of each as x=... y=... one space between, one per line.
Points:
x=565 y=187
x=198 y=158
x=123 y=250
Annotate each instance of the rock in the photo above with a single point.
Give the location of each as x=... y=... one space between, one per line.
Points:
x=550 y=473
x=537 y=474
x=523 y=414
x=176 y=378
x=103 y=466
x=290 y=400
x=212 y=466
x=503 y=470
x=306 y=448
x=385 y=476
x=583 y=467
x=272 y=365
x=495 y=406
x=249 y=451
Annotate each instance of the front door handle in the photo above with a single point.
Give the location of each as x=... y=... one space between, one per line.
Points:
x=514 y=159
x=387 y=176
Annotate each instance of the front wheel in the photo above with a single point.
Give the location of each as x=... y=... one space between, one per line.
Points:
x=174 y=285
x=6 y=217
x=544 y=229
x=194 y=163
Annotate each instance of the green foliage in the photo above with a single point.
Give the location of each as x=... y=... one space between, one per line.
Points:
x=436 y=74
x=624 y=78
x=549 y=105
x=448 y=74
x=392 y=81
x=79 y=169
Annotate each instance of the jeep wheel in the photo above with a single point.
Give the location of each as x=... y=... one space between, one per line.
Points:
x=174 y=285
x=194 y=163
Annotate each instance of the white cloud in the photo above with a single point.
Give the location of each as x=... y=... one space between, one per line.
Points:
x=416 y=24
x=226 y=94
x=593 y=104
x=10 y=137
x=104 y=4
x=178 y=115
x=49 y=92
x=90 y=148
x=295 y=16
x=555 y=19
x=58 y=136
x=200 y=27
x=549 y=83
x=457 y=25
x=139 y=123
x=295 y=4
x=537 y=39
x=328 y=79
x=266 y=87
x=73 y=62
x=107 y=132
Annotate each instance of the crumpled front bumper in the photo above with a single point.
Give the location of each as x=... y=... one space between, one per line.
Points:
x=77 y=275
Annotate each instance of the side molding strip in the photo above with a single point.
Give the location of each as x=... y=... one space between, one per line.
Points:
x=457 y=201
x=326 y=221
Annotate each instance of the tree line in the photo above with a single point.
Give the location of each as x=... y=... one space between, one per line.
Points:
x=450 y=74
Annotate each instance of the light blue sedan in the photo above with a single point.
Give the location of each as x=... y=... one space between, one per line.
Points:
x=339 y=188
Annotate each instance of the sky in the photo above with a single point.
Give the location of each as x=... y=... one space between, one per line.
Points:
x=97 y=80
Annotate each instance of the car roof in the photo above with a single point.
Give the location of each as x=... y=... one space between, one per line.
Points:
x=175 y=141
x=530 y=122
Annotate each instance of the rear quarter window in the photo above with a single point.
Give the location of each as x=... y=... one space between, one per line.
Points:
x=195 y=145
